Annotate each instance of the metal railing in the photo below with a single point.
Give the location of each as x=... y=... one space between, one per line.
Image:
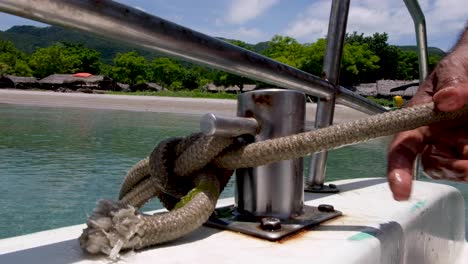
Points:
x=122 y=23
x=326 y=106
x=421 y=39
x=116 y=21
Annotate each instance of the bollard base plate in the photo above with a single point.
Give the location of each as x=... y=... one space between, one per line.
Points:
x=228 y=218
x=331 y=188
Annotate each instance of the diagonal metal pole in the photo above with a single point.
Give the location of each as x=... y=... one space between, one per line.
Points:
x=326 y=106
x=112 y=20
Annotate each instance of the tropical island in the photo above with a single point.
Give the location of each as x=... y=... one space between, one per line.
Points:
x=63 y=60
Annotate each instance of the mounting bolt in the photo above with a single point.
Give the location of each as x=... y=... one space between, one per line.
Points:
x=270 y=223
x=326 y=208
x=317 y=187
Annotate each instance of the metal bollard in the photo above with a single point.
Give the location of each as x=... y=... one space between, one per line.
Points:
x=275 y=189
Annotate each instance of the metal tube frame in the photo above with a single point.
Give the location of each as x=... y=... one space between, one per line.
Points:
x=326 y=106
x=122 y=23
x=116 y=21
x=421 y=37
x=421 y=40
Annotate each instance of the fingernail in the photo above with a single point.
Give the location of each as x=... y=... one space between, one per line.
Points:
x=400 y=187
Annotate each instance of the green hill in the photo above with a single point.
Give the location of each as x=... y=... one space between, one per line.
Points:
x=259 y=47
x=29 y=38
x=430 y=50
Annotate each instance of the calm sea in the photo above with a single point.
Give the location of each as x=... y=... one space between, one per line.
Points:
x=55 y=163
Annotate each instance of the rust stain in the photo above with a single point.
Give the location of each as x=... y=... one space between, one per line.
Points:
x=262 y=99
x=248 y=113
x=298 y=235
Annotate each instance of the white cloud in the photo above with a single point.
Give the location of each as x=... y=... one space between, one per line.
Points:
x=141 y=8
x=365 y=16
x=445 y=19
x=308 y=28
x=386 y=16
x=241 y=11
x=249 y=35
x=312 y=24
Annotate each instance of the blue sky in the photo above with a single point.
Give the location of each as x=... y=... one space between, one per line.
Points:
x=306 y=20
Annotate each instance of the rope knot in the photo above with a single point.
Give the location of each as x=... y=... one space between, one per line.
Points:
x=161 y=165
x=179 y=173
x=175 y=164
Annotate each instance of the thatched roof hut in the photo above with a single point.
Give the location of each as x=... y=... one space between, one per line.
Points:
x=122 y=87
x=148 y=86
x=18 y=82
x=211 y=87
x=367 y=89
x=77 y=81
x=388 y=88
x=392 y=88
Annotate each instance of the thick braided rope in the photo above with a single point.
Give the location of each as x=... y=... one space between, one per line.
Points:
x=114 y=226
x=300 y=145
x=204 y=149
x=136 y=174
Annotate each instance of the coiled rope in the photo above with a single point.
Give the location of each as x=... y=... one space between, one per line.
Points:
x=201 y=165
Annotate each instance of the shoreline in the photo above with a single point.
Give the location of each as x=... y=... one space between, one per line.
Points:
x=177 y=105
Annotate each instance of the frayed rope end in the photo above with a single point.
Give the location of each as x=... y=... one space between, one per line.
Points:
x=111 y=228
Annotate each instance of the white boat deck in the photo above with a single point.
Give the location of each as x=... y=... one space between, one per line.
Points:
x=374 y=228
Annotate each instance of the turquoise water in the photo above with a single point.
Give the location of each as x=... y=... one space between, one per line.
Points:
x=55 y=163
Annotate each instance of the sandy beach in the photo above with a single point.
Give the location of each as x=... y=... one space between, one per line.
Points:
x=196 y=106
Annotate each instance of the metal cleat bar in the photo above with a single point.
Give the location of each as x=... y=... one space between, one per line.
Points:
x=217 y=125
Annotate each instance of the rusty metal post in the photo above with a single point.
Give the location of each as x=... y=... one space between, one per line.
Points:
x=275 y=189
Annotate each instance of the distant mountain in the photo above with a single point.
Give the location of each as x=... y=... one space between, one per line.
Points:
x=259 y=47
x=430 y=50
x=29 y=38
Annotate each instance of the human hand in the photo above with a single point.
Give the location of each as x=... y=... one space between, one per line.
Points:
x=443 y=146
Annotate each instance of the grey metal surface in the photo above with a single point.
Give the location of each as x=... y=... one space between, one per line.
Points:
x=217 y=125
x=421 y=36
x=122 y=23
x=275 y=189
x=346 y=97
x=331 y=68
x=231 y=219
x=318 y=161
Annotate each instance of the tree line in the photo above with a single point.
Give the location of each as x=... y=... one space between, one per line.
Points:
x=365 y=59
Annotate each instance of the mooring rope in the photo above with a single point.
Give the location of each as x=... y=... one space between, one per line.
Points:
x=200 y=166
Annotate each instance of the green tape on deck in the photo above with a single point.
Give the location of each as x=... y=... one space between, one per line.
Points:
x=360 y=236
x=418 y=205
